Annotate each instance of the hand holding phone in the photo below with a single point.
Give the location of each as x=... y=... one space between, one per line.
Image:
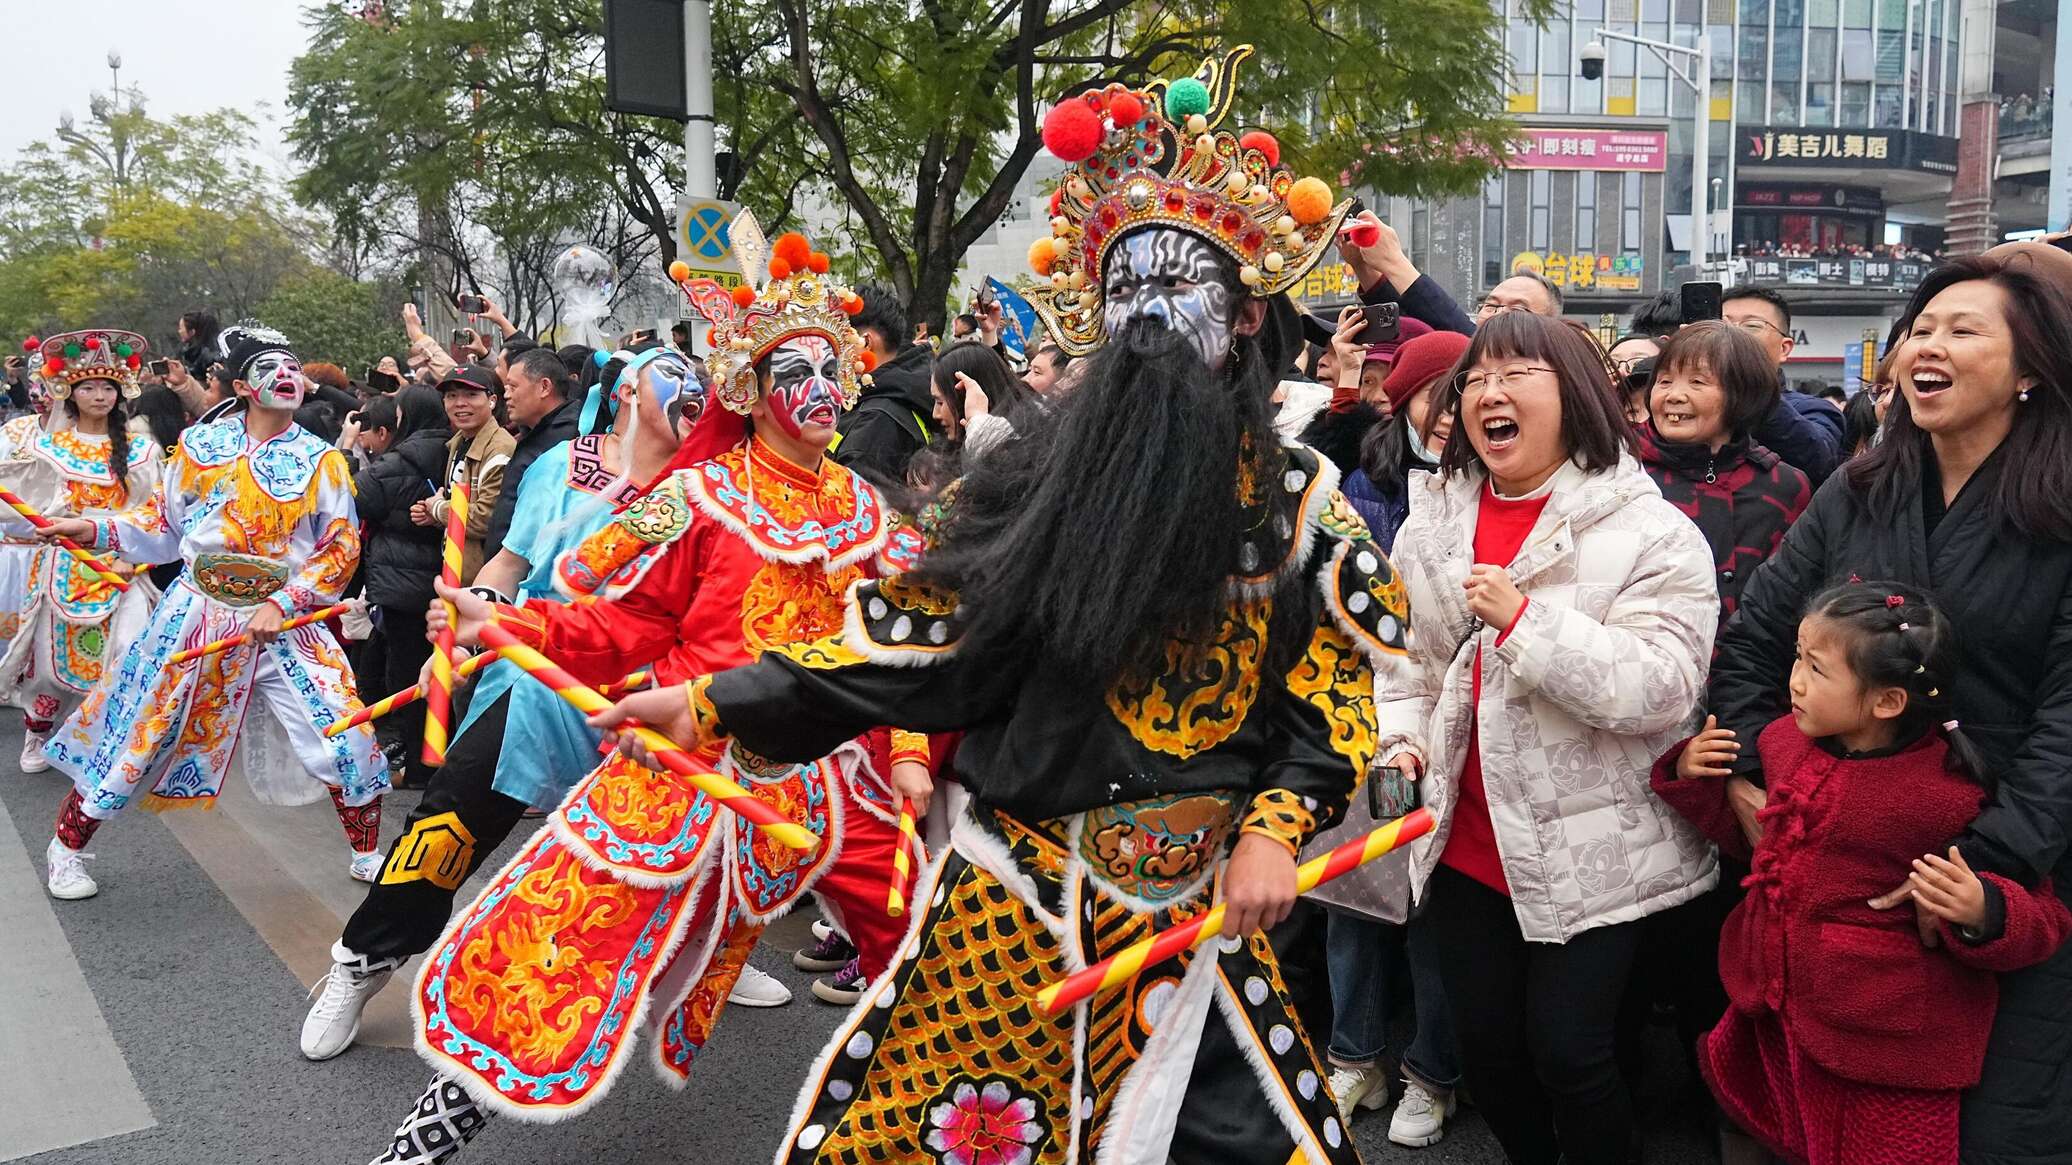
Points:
x=159 y=367
x=1384 y=323
x=1701 y=300
x=473 y=305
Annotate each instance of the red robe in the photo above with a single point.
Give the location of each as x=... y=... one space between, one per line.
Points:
x=1848 y=1041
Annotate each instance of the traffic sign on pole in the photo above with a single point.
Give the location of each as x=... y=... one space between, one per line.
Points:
x=703 y=242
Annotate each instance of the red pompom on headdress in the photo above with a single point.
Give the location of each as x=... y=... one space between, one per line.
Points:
x=793 y=248
x=743 y=295
x=1125 y=109
x=1265 y=143
x=818 y=262
x=1072 y=131
x=779 y=268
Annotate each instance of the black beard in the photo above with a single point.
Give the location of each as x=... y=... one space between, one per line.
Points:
x=1112 y=525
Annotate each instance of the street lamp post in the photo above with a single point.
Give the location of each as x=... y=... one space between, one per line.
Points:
x=1699 y=79
x=105 y=110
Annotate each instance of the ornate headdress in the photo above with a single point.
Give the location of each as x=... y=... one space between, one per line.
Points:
x=1153 y=157
x=790 y=295
x=94 y=354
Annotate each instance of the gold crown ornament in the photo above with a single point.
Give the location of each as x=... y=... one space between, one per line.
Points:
x=1153 y=157
x=108 y=354
x=791 y=295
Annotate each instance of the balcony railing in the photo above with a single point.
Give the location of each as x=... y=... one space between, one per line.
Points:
x=1871 y=273
x=2022 y=121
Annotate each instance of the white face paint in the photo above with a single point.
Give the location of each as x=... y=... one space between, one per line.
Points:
x=1171 y=275
x=803 y=389
x=276 y=380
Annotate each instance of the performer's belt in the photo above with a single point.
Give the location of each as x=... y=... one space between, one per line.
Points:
x=1156 y=850
x=239 y=580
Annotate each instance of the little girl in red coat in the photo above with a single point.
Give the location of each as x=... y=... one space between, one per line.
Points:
x=1849 y=1040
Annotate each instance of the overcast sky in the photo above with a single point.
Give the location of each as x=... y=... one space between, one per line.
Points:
x=188 y=56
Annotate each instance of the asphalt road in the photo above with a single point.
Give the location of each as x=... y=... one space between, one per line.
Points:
x=156 y=1024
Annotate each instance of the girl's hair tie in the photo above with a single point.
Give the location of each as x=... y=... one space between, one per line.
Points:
x=1905 y=626
x=1949 y=726
x=1920 y=670
x=1895 y=601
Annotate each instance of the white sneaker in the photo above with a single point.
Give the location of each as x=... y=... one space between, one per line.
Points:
x=68 y=881
x=334 y=1021
x=367 y=866
x=1358 y=1088
x=758 y=989
x=1420 y=1117
x=33 y=760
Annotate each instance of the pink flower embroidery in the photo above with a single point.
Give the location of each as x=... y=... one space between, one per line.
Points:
x=984 y=1127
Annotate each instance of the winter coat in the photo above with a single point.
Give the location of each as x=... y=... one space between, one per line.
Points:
x=1855 y=988
x=1804 y=430
x=554 y=428
x=2009 y=598
x=480 y=461
x=1601 y=673
x=889 y=424
x=1423 y=300
x=1743 y=498
x=399 y=558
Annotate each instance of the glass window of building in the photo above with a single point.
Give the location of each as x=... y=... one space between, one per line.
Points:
x=1787 y=42
x=1539 y=215
x=1629 y=213
x=1493 y=230
x=1556 y=65
x=1821 y=46
x=1586 y=211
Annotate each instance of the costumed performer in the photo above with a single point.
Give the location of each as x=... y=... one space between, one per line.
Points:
x=520 y=746
x=652 y=894
x=260 y=511
x=1156 y=627
x=85 y=464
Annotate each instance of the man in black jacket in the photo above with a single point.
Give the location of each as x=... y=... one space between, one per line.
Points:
x=536 y=393
x=1804 y=430
x=887 y=427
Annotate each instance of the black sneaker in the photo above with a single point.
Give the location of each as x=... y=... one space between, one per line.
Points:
x=844 y=988
x=831 y=953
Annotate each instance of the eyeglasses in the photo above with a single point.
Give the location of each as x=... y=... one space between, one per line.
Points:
x=1489 y=307
x=1756 y=327
x=1478 y=383
x=1878 y=391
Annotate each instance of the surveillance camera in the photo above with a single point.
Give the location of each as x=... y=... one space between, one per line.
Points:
x=1593 y=60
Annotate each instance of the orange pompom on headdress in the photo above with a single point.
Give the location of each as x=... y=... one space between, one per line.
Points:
x=786 y=295
x=1154 y=158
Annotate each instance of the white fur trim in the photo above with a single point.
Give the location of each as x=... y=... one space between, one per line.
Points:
x=991 y=854
x=1146 y=1110
x=925 y=886
x=815 y=551
x=857 y=638
x=830 y=841
x=496 y=1102
x=1269 y=1080
x=1316 y=498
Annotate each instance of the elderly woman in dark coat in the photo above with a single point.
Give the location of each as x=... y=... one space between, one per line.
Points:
x=1969 y=497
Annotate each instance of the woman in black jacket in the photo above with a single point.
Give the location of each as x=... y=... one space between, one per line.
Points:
x=1968 y=497
x=399 y=559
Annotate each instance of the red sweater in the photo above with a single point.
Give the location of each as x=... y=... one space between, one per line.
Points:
x=1854 y=987
x=1501 y=527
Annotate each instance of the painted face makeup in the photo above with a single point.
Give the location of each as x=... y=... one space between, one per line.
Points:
x=802 y=384
x=676 y=388
x=276 y=380
x=1171 y=275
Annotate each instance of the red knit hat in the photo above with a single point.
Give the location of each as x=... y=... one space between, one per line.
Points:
x=1420 y=361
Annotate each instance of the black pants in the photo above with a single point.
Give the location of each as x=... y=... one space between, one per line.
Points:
x=454 y=828
x=1535 y=1023
x=388 y=662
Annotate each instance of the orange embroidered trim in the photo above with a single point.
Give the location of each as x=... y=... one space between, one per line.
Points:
x=910 y=746
x=1280 y=815
x=703 y=714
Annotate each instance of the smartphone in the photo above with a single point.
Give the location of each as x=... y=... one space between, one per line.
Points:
x=383 y=381
x=473 y=305
x=1701 y=300
x=1390 y=794
x=1384 y=323
x=462 y=337
x=159 y=367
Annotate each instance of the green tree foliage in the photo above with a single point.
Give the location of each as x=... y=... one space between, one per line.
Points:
x=138 y=220
x=914 y=119
x=351 y=323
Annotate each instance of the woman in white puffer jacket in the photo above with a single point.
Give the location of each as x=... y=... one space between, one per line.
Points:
x=1562 y=617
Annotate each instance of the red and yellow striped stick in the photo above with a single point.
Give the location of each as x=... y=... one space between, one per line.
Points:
x=330 y=612
x=438 y=701
x=667 y=752
x=86 y=557
x=468 y=667
x=634 y=680
x=902 y=861
x=407 y=696
x=1124 y=965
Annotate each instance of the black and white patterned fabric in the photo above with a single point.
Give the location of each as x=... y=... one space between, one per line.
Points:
x=444 y=1119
